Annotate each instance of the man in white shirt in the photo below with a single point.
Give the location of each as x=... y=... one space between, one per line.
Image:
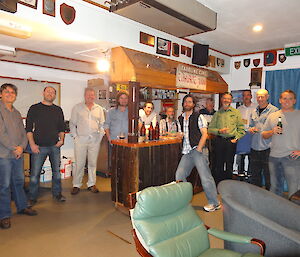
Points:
x=86 y=126
x=244 y=144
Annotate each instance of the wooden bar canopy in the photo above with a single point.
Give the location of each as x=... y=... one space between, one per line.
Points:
x=157 y=72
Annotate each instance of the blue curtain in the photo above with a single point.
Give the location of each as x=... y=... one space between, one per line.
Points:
x=280 y=80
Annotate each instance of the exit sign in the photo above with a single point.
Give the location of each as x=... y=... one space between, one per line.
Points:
x=292 y=49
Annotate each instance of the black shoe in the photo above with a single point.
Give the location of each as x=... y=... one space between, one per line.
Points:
x=93 y=189
x=5 y=223
x=60 y=198
x=28 y=211
x=32 y=203
x=75 y=190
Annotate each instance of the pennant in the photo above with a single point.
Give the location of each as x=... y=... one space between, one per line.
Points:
x=247 y=62
x=237 y=65
x=282 y=58
x=67 y=13
x=256 y=62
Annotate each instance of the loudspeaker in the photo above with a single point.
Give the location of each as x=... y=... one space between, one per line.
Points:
x=200 y=54
x=8 y=5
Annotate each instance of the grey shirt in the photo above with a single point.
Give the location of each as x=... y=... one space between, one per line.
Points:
x=117 y=122
x=257 y=120
x=12 y=132
x=282 y=145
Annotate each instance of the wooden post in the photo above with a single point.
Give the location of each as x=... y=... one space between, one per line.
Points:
x=133 y=111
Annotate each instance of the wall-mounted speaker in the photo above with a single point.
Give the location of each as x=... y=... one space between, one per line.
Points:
x=200 y=54
x=8 y=5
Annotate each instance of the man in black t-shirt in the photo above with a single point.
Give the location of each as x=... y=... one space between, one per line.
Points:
x=45 y=132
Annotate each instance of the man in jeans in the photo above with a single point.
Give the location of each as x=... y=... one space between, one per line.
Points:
x=194 y=127
x=12 y=143
x=284 y=160
x=45 y=132
x=260 y=147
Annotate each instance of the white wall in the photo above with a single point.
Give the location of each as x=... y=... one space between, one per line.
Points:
x=240 y=79
x=72 y=87
x=94 y=24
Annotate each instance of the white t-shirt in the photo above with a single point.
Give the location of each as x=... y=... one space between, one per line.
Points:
x=246 y=112
x=282 y=145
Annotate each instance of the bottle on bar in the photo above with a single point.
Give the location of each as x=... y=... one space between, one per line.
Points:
x=156 y=131
x=279 y=123
x=143 y=130
x=151 y=132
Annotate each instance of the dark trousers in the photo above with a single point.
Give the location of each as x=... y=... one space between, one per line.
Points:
x=259 y=164
x=225 y=151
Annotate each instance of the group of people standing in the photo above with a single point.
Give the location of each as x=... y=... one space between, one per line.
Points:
x=273 y=148
x=43 y=137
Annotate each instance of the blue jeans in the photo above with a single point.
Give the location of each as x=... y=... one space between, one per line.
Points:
x=188 y=162
x=287 y=168
x=11 y=184
x=37 y=162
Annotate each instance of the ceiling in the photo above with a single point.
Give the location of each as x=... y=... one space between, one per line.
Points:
x=236 y=18
x=233 y=35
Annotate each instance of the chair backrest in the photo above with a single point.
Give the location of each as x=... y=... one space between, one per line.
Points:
x=168 y=223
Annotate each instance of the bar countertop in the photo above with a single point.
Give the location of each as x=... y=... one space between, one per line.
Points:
x=162 y=141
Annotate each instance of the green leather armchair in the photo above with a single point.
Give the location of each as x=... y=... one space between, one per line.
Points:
x=166 y=225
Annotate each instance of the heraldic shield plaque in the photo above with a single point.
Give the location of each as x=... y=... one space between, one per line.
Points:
x=67 y=13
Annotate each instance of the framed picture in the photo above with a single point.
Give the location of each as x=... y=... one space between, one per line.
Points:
x=183 y=49
x=175 y=50
x=29 y=3
x=102 y=94
x=189 y=52
x=147 y=39
x=49 y=7
x=163 y=46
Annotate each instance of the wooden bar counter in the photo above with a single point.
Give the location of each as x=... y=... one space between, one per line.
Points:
x=136 y=166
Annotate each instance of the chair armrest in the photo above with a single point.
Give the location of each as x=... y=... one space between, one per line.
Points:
x=236 y=238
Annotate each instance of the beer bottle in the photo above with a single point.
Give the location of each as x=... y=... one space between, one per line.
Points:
x=279 y=124
x=156 y=132
x=151 y=132
x=143 y=130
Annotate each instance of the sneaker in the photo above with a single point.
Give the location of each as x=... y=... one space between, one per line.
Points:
x=60 y=198
x=5 y=223
x=28 y=211
x=212 y=207
x=93 y=189
x=75 y=190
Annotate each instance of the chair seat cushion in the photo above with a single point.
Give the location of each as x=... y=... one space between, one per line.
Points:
x=225 y=253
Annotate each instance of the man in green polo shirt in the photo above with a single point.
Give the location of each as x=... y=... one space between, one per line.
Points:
x=228 y=126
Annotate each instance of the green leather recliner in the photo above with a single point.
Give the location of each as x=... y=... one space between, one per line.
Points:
x=166 y=225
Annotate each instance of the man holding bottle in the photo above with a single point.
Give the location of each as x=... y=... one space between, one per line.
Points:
x=284 y=161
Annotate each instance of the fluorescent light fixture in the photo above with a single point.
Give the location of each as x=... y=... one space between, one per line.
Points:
x=14 y=29
x=257 y=28
x=6 y=50
x=103 y=65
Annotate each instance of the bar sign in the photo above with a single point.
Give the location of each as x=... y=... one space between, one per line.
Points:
x=292 y=49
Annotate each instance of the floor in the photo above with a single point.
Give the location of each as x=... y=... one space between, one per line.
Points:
x=86 y=225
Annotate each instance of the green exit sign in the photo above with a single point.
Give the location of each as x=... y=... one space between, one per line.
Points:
x=291 y=50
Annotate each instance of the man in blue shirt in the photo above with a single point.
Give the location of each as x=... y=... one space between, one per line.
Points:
x=116 y=123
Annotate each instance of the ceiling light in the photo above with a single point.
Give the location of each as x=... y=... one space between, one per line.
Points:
x=14 y=29
x=103 y=65
x=257 y=28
